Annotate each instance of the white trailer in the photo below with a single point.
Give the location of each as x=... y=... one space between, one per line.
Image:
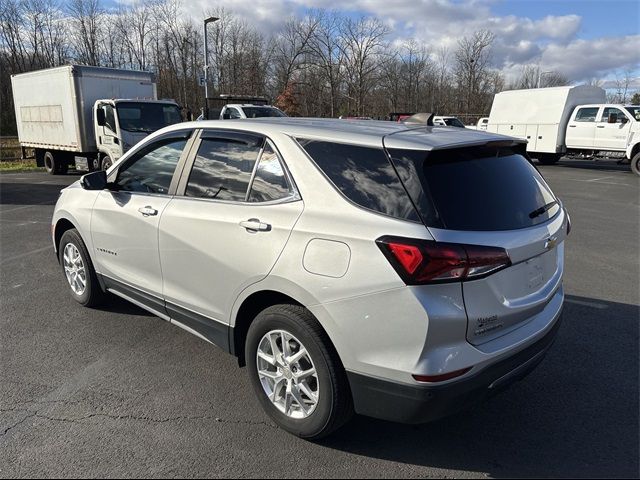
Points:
x=86 y=115
x=540 y=115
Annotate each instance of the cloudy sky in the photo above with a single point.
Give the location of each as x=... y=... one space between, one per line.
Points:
x=582 y=39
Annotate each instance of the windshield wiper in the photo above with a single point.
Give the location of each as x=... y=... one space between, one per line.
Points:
x=539 y=211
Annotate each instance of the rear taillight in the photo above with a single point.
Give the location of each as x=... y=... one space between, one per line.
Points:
x=425 y=261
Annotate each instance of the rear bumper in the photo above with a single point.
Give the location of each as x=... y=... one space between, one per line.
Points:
x=420 y=404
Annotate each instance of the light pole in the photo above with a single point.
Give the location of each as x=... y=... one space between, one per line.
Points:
x=540 y=73
x=206 y=66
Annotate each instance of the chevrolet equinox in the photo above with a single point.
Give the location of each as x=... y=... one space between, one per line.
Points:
x=397 y=271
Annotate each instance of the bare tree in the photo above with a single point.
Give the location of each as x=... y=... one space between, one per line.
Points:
x=472 y=64
x=292 y=45
x=328 y=54
x=87 y=16
x=363 y=49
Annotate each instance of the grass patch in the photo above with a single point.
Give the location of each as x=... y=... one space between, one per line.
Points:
x=20 y=166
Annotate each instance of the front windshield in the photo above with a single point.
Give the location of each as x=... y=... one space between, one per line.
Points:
x=257 y=112
x=453 y=122
x=634 y=110
x=147 y=117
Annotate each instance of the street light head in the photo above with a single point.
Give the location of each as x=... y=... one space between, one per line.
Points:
x=210 y=20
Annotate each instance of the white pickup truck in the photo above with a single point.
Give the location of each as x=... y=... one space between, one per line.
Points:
x=231 y=107
x=563 y=120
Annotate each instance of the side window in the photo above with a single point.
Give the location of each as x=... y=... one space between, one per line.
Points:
x=612 y=110
x=364 y=175
x=587 y=114
x=234 y=113
x=110 y=117
x=270 y=182
x=151 y=169
x=223 y=166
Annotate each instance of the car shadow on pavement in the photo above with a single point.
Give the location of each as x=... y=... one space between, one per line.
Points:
x=115 y=304
x=575 y=416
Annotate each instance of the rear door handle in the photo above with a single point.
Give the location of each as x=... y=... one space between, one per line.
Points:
x=572 y=126
x=148 y=211
x=255 y=225
x=600 y=126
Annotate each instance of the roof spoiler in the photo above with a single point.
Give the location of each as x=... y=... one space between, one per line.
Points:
x=420 y=119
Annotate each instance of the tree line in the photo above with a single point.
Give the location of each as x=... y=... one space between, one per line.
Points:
x=323 y=64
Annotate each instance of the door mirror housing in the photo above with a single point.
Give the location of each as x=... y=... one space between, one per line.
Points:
x=100 y=117
x=94 y=180
x=226 y=115
x=624 y=119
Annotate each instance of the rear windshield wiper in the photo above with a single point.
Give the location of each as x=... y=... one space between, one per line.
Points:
x=539 y=211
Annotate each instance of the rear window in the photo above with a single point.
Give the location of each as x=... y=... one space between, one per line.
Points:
x=476 y=189
x=364 y=175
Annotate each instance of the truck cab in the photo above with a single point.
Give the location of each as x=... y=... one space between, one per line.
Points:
x=120 y=124
x=603 y=127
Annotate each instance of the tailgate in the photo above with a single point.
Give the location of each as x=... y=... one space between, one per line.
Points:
x=508 y=299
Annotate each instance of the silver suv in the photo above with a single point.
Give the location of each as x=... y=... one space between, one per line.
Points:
x=401 y=272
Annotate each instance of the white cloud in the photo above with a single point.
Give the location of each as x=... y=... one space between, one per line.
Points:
x=552 y=41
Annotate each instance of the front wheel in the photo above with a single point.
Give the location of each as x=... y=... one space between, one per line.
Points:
x=296 y=372
x=106 y=162
x=635 y=164
x=78 y=270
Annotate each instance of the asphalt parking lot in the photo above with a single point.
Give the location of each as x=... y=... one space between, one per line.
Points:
x=118 y=392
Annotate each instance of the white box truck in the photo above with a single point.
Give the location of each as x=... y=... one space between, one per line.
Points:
x=87 y=116
x=563 y=120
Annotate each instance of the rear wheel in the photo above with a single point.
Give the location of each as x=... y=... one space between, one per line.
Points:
x=635 y=164
x=296 y=372
x=78 y=270
x=548 y=158
x=55 y=165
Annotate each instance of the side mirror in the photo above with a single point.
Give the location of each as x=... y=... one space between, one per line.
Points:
x=100 y=117
x=226 y=116
x=94 y=180
x=624 y=119
x=613 y=118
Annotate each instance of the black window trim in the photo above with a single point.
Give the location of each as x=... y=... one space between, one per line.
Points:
x=293 y=191
x=335 y=187
x=181 y=183
x=187 y=133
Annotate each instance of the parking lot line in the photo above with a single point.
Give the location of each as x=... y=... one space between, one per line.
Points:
x=26 y=254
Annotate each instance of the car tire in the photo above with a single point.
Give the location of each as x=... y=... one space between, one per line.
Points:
x=78 y=270
x=106 y=162
x=635 y=164
x=333 y=405
x=50 y=163
x=55 y=165
x=548 y=159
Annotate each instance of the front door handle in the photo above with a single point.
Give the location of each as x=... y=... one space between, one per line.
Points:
x=148 y=211
x=255 y=225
